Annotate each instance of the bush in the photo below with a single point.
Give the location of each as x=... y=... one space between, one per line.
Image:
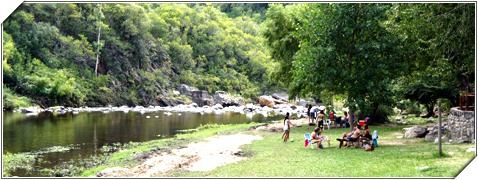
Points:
x=445 y=105
x=409 y=106
x=12 y=100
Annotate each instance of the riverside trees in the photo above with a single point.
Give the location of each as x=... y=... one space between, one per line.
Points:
x=368 y=52
x=372 y=55
x=145 y=50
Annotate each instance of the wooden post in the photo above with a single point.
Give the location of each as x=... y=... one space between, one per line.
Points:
x=439 y=129
x=460 y=103
x=467 y=103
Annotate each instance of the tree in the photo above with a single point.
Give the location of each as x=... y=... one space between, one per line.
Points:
x=98 y=15
x=140 y=50
x=345 y=49
x=280 y=25
x=440 y=50
x=427 y=95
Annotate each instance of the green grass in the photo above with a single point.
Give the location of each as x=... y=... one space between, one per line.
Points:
x=128 y=156
x=270 y=157
x=393 y=158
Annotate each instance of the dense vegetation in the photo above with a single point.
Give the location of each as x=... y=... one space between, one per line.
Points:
x=145 y=52
x=372 y=56
x=375 y=56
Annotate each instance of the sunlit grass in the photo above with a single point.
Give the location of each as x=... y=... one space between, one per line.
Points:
x=270 y=157
x=410 y=158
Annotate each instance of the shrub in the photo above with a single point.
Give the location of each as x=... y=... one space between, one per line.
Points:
x=12 y=100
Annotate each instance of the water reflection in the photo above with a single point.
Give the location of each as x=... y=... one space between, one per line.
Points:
x=89 y=131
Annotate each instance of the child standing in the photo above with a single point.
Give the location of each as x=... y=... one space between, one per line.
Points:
x=287 y=125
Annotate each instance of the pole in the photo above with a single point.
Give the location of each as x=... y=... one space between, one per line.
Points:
x=439 y=129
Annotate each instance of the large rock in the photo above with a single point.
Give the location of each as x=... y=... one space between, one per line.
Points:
x=225 y=99
x=163 y=101
x=432 y=136
x=32 y=110
x=280 y=96
x=187 y=90
x=201 y=98
x=266 y=101
x=416 y=132
x=302 y=102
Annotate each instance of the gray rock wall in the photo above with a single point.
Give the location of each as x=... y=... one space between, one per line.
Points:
x=461 y=125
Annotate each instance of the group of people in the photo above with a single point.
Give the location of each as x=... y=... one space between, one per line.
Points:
x=319 y=117
x=345 y=141
x=357 y=137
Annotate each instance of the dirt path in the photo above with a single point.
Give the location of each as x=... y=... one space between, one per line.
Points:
x=203 y=156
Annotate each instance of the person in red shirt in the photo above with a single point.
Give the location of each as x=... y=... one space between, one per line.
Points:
x=332 y=117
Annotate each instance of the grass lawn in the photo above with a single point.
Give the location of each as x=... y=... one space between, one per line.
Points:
x=395 y=157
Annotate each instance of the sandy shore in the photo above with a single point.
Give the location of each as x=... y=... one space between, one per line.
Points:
x=203 y=156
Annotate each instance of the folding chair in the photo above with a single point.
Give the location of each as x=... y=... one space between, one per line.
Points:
x=309 y=140
x=328 y=122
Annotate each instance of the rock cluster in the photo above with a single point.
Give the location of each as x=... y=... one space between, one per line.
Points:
x=202 y=98
x=457 y=127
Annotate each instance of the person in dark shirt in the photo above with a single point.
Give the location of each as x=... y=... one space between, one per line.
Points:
x=309 y=116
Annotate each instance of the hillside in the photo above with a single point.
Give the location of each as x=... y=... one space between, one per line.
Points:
x=145 y=52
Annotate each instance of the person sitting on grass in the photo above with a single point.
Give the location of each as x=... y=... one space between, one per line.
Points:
x=315 y=138
x=324 y=138
x=367 y=136
x=351 y=137
x=287 y=125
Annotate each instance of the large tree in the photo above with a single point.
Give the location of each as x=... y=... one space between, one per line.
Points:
x=279 y=27
x=440 y=45
x=345 y=49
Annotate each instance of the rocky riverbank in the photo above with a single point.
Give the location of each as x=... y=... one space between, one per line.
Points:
x=273 y=104
x=276 y=104
x=248 y=109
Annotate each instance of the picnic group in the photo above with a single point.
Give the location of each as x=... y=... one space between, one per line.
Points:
x=360 y=135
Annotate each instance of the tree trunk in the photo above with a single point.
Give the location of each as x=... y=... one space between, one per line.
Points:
x=430 y=112
x=98 y=44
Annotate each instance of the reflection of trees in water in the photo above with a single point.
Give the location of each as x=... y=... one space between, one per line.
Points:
x=95 y=129
x=95 y=139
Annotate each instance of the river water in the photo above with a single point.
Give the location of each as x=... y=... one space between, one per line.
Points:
x=83 y=134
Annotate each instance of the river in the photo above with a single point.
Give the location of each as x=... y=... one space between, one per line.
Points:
x=65 y=137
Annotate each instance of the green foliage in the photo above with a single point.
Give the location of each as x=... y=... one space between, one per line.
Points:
x=145 y=50
x=344 y=50
x=439 y=49
x=12 y=100
x=10 y=54
x=409 y=106
x=373 y=54
x=12 y=162
x=368 y=53
x=255 y=11
x=427 y=95
x=280 y=25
